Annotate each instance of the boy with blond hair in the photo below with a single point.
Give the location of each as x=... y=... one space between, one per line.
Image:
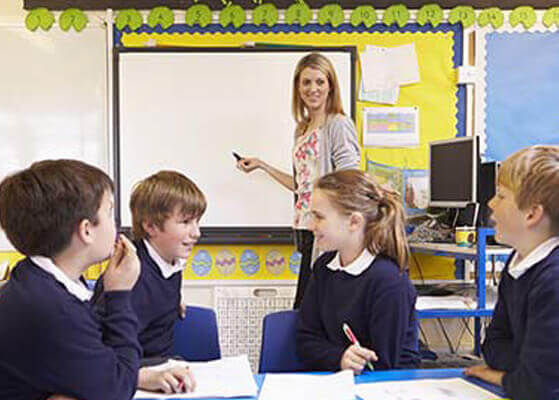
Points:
x=166 y=209
x=521 y=346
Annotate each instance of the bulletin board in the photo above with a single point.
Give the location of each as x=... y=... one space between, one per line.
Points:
x=53 y=101
x=519 y=108
x=440 y=101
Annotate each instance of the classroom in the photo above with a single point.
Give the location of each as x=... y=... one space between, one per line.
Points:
x=437 y=95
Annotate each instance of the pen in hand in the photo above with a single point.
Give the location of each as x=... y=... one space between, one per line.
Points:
x=353 y=339
x=237 y=156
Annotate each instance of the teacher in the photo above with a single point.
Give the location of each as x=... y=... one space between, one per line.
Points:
x=325 y=141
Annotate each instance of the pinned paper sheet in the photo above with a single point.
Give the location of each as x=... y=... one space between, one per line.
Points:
x=390 y=126
x=432 y=389
x=385 y=69
x=227 y=377
x=339 y=386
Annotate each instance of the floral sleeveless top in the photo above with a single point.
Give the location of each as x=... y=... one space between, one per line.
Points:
x=305 y=161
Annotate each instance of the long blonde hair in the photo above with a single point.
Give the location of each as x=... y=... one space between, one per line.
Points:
x=334 y=101
x=352 y=190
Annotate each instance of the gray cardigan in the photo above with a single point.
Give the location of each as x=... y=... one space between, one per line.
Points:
x=338 y=145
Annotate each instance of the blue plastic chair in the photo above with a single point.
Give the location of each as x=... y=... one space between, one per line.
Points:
x=277 y=353
x=196 y=337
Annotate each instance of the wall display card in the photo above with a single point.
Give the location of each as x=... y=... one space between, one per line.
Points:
x=391 y=126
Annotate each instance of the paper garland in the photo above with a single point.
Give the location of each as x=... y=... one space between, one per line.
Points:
x=298 y=13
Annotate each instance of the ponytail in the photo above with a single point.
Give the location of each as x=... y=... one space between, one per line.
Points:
x=355 y=191
x=386 y=234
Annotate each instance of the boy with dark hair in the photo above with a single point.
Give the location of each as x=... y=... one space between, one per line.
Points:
x=60 y=215
x=521 y=346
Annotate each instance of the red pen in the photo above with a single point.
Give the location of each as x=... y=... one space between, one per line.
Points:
x=353 y=339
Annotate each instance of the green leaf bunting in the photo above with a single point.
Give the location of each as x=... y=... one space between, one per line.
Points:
x=198 y=14
x=298 y=12
x=430 y=13
x=463 y=14
x=232 y=14
x=331 y=13
x=551 y=17
x=265 y=14
x=129 y=18
x=39 y=17
x=396 y=13
x=73 y=17
x=524 y=15
x=493 y=16
x=163 y=16
x=365 y=15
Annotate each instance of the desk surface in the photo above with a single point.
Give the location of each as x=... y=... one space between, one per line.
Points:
x=453 y=249
x=405 y=375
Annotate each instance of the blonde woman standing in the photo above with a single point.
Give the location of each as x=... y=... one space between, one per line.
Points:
x=325 y=141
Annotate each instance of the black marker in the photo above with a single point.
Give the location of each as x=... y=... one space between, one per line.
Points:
x=237 y=157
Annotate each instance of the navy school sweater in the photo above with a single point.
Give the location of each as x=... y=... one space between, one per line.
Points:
x=378 y=305
x=53 y=343
x=523 y=336
x=155 y=301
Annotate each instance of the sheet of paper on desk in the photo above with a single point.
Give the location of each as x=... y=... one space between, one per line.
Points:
x=339 y=386
x=227 y=377
x=421 y=389
x=444 y=302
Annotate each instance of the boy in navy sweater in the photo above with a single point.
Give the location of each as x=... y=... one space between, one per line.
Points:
x=166 y=210
x=59 y=214
x=360 y=281
x=521 y=346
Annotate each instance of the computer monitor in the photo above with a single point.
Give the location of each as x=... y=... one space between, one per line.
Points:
x=453 y=172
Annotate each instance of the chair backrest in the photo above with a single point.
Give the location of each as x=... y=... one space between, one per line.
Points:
x=196 y=336
x=277 y=353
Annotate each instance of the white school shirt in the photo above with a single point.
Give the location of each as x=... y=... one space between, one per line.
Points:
x=167 y=270
x=76 y=288
x=517 y=268
x=356 y=267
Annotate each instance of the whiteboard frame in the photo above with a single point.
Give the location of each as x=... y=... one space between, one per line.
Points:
x=219 y=234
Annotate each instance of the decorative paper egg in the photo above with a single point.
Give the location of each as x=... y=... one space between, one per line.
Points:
x=202 y=263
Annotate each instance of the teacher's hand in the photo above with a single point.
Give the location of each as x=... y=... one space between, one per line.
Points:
x=248 y=164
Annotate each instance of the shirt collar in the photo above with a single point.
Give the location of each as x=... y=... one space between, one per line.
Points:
x=167 y=269
x=518 y=268
x=76 y=288
x=356 y=267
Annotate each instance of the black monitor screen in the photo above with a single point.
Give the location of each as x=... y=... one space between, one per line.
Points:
x=453 y=172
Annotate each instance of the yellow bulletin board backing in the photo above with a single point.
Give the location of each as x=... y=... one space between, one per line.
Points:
x=436 y=96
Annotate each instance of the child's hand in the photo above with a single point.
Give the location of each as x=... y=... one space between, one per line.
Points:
x=124 y=267
x=248 y=164
x=355 y=357
x=172 y=380
x=486 y=373
x=60 y=397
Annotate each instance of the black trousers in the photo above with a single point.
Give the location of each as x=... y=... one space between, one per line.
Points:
x=304 y=241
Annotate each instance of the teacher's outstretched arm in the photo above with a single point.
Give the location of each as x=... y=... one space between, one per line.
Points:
x=249 y=164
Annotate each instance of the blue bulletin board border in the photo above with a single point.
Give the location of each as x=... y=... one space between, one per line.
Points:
x=456 y=29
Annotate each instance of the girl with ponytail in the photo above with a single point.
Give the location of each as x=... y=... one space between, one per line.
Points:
x=361 y=279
